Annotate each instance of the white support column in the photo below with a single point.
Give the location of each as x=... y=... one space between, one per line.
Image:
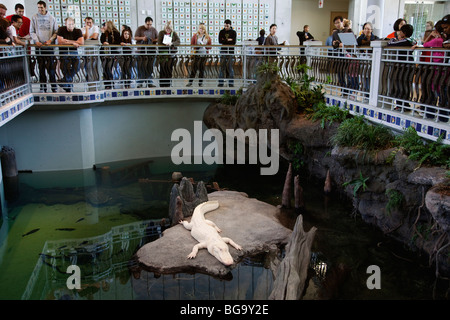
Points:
x=375 y=75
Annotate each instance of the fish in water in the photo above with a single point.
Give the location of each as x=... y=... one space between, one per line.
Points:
x=65 y=229
x=30 y=232
x=81 y=219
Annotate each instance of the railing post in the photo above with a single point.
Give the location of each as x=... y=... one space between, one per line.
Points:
x=375 y=74
x=26 y=49
x=244 y=54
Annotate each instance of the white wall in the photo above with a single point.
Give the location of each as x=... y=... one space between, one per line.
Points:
x=78 y=139
x=308 y=12
x=283 y=12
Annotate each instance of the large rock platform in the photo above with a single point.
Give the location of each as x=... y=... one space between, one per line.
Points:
x=248 y=222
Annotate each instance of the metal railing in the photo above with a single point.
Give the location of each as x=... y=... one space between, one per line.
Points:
x=411 y=83
x=13 y=76
x=416 y=82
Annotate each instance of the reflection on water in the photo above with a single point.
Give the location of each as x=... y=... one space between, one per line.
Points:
x=98 y=221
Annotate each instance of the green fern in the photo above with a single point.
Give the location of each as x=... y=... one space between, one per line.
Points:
x=433 y=153
x=357 y=183
x=395 y=200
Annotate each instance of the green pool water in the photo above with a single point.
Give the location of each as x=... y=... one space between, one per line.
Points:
x=80 y=221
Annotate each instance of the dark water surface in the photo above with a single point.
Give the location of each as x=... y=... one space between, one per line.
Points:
x=98 y=221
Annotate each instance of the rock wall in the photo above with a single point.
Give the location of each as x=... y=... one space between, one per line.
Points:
x=408 y=203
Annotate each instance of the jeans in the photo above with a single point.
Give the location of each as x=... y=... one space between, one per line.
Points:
x=226 y=69
x=46 y=62
x=198 y=64
x=70 y=65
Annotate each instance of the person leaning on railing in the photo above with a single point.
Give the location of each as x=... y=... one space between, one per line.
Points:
x=446 y=31
x=435 y=40
x=68 y=35
x=111 y=36
x=4 y=38
x=366 y=36
x=200 y=40
x=403 y=40
x=146 y=35
x=127 y=61
x=43 y=29
x=169 y=39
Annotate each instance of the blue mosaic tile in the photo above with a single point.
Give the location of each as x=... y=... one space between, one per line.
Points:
x=158 y=92
x=125 y=94
x=147 y=92
x=430 y=130
x=443 y=133
x=418 y=127
x=397 y=121
x=36 y=99
x=190 y=91
x=408 y=123
x=200 y=91
x=211 y=91
x=436 y=132
x=424 y=128
x=388 y=118
x=179 y=91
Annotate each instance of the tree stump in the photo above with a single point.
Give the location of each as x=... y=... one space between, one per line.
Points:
x=286 y=196
x=183 y=195
x=290 y=276
x=10 y=173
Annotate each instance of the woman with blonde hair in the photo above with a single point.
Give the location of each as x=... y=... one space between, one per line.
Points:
x=200 y=40
x=111 y=36
x=170 y=39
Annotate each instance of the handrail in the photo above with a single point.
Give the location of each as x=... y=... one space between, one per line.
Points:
x=375 y=76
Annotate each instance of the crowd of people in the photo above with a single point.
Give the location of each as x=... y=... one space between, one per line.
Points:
x=42 y=30
x=401 y=35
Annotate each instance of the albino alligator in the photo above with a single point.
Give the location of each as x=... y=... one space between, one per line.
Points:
x=207 y=234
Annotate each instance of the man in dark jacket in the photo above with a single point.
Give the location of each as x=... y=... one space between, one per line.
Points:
x=304 y=35
x=227 y=37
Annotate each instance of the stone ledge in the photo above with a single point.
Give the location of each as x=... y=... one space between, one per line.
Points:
x=249 y=222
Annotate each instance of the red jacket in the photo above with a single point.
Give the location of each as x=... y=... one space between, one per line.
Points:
x=194 y=42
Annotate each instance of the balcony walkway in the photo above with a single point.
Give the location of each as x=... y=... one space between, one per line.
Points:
x=395 y=87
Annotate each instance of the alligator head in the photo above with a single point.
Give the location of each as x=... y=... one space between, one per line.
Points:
x=219 y=249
